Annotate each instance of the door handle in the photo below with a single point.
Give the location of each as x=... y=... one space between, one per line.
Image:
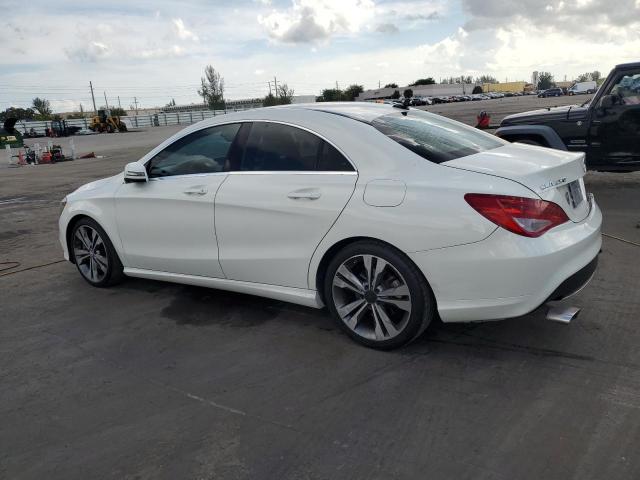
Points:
x=304 y=194
x=195 y=191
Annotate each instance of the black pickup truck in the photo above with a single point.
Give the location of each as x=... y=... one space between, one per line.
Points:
x=607 y=128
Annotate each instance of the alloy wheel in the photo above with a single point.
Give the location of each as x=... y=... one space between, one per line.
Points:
x=371 y=297
x=90 y=253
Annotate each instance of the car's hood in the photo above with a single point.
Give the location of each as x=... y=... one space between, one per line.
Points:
x=543 y=115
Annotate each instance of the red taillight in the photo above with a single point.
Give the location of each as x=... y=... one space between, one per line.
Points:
x=524 y=216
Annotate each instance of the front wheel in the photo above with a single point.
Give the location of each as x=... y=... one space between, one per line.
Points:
x=94 y=255
x=378 y=296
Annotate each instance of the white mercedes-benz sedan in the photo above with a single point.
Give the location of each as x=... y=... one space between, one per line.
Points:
x=389 y=216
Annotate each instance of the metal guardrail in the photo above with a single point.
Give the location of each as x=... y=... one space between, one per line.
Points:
x=136 y=121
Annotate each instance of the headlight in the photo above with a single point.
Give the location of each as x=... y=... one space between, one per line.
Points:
x=63 y=203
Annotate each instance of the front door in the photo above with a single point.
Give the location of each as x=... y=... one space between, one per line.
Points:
x=615 y=130
x=167 y=224
x=278 y=202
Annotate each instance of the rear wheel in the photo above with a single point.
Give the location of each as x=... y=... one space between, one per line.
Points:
x=94 y=255
x=378 y=296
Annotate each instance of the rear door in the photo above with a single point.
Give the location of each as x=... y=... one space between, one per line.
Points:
x=615 y=131
x=278 y=202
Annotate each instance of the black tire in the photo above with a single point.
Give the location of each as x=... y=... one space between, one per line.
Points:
x=422 y=302
x=123 y=127
x=105 y=277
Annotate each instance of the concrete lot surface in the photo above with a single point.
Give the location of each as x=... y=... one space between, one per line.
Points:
x=149 y=380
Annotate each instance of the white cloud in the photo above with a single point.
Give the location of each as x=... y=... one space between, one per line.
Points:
x=258 y=71
x=308 y=21
x=91 y=51
x=182 y=32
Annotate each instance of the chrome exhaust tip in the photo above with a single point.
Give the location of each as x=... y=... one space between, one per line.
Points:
x=562 y=314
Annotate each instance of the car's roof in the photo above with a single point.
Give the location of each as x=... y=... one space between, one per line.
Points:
x=362 y=111
x=628 y=65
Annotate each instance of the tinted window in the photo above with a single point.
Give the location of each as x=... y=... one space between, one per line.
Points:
x=277 y=147
x=331 y=160
x=433 y=137
x=626 y=91
x=204 y=151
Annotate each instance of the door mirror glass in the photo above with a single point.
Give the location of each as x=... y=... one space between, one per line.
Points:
x=135 y=172
x=606 y=102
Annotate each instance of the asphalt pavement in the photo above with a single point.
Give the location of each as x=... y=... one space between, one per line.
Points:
x=149 y=380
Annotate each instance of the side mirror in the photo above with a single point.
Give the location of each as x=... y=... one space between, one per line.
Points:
x=135 y=172
x=606 y=102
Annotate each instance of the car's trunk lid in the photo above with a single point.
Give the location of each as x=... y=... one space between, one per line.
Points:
x=554 y=175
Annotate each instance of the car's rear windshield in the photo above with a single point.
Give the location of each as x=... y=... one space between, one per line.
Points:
x=433 y=137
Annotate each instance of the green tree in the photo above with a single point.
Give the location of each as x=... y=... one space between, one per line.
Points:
x=285 y=94
x=118 y=112
x=584 y=77
x=545 y=80
x=396 y=94
x=332 y=95
x=391 y=85
x=43 y=107
x=408 y=93
x=284 y=97
x=352 y=92
x=596 y=76
x=18 y=113
x=477 y=89
x=486 y=79
x=212 y=88
x=270 y=100
x=423 y=81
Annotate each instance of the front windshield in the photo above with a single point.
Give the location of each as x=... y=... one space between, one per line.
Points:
x=434 y=137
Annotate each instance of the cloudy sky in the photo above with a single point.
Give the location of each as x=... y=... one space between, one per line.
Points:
x=156 y=50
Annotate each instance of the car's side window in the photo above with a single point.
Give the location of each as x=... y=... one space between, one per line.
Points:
x=204 y=151
x=277 y=147
x=626 y=91
x=331 y=160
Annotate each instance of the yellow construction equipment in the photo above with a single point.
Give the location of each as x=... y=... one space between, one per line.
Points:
x=105 y=122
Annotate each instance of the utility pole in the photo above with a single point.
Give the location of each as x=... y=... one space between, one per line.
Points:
x=95 y=110
x=135 y=102
x=269 y=83
x=378 y=83
x=275 y=85
x=119 y=106
x=337 y=85
x=105 y=100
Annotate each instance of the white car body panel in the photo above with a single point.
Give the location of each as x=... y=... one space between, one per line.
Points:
x=271 y=245
x=545 y=171
x=167 y=224
x=300 y=296
x=284 y=217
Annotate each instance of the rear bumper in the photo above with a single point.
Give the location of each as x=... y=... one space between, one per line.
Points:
x=575 y=282
x=507 y=275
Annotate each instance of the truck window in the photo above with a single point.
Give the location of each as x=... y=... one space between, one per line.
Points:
x=627 y=90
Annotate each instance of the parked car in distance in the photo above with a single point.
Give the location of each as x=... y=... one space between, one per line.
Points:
x=582 y=88
x=551 y=92
x=383 y=213
x=605 y=127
